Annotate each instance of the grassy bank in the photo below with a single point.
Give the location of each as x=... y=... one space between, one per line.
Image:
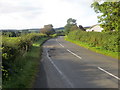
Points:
x=95 y=49
x=27 y=67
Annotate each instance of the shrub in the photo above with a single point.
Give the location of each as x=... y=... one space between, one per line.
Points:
x=109 y=40
x=16 y=46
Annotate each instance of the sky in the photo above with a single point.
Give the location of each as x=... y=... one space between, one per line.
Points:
x=25 y=14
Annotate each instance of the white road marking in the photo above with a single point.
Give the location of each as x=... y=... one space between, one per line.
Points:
x=60 y=43
x=63 y=76
x=70 y=51
x=74 y=54
x=108 y=73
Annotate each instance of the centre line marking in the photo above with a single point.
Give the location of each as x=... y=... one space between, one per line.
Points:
x=70 y=51
x=60 y=43
x=108 y=73
x=60 y=72
x=74 y=54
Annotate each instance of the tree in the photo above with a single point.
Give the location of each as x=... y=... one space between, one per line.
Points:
x=71 y=21
x=71 y=25
x=48 y=29
x=110 y=15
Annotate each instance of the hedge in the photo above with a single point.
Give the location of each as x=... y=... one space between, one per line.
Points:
x=16 y=46
x=104 y=40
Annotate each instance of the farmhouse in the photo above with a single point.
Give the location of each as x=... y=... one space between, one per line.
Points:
x=95 y=28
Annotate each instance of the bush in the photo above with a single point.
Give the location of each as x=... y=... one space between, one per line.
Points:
x=53 y=35
x=108 y=41
x=16 y=46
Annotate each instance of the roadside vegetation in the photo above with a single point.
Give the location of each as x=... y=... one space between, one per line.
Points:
x=95 y=42
x=21 y=58
x=106 y=42
x=23 y=70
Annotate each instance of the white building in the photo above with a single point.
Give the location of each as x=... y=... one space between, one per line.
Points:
x=95 y=28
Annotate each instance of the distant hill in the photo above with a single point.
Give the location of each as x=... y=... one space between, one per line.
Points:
x=21 y=30
x=28 y=30
x=60 y=28
x=8 y=29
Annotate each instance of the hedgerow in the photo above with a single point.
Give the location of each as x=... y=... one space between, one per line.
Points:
x=104 y=40
x=12 y=47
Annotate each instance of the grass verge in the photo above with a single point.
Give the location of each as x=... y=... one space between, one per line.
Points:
x=26 y=68
x=95 y=49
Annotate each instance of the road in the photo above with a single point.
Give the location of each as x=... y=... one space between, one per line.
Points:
x=66 y=65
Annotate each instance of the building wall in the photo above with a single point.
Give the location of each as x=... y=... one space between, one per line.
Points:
x=96 y=28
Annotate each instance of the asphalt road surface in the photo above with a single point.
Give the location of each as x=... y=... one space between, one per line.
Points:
x=66 y=65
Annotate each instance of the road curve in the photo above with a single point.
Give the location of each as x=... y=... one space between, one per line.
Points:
x=66 y=65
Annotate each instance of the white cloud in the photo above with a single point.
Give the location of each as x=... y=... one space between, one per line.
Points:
x=37 y=13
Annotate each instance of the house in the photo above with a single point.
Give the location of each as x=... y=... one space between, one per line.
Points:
x=82 y=28
x=95 y=28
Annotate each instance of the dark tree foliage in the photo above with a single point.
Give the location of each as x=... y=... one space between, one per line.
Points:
x=81 y=27
x=48 y=29
x=110 y=15
x=71 y=21
x=71 y=25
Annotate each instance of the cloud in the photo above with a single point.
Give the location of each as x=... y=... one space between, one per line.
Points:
x=16 y=6
x=37 y=13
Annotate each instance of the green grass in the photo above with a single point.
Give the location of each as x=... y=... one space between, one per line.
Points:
x=26 y=68
x=95 y=49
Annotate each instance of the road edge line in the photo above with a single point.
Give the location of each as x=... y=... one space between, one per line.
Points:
x=63 y=76
x=109 y=73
